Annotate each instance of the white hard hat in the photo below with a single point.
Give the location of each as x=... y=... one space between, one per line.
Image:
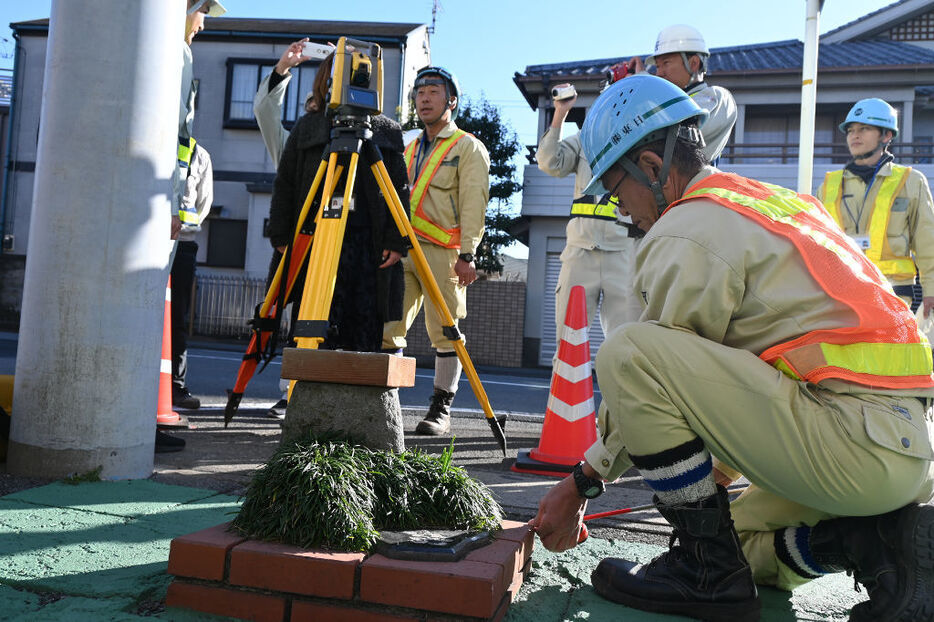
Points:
x=215 y=8
x=678 y=38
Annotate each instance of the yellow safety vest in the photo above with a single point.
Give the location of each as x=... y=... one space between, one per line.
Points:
x=892 y=266
x=424 y=226
x=588 y=206
x=188 y=214
x=884 y=348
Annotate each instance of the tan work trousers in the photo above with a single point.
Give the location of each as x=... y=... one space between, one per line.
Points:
x=599 y=271
x=441 y=262
x=810 y=453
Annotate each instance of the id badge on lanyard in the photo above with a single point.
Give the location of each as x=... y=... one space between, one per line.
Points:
x=862 y=241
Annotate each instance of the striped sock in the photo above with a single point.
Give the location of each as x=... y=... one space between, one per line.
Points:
x=793 y=550
x=683 y=474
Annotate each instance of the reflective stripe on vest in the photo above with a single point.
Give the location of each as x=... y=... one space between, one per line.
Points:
x=424 y=226
x=893 y=266
x=886 y=349
x=588 y=206
x=185 y=152
x=188 y=214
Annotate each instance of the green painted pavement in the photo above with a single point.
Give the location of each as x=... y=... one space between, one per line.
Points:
x=98 y=551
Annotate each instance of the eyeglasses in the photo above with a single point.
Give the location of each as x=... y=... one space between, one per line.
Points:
x=616 y=187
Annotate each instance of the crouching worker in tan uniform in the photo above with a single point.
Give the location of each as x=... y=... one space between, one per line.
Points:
x=769 y=346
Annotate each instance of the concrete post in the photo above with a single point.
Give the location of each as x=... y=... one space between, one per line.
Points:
x=88 y=360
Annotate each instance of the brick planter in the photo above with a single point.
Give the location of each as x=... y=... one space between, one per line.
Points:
x=221 y=573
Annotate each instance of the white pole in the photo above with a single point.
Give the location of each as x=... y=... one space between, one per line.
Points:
x=808 y=97
x=87 y=364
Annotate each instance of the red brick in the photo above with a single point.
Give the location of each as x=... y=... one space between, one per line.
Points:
x=202 y=554
x=518 y=532
x=517 y=581
x=500 y=613
x=225 y=602
x=304 y=611
x=285 y=568
x=463 y=588
x=504 y=553
x=511 y=593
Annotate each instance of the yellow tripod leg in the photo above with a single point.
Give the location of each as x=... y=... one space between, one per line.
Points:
x=325 y=254
x=271 y=296
x=434 y=293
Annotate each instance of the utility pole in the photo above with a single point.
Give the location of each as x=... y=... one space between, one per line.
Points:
x=87 y=364
x=808 y=96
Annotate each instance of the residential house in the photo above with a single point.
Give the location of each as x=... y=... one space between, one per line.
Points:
x=231 y=56
x=888 y=53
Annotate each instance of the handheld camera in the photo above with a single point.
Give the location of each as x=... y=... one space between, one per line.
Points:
x=564 y=92
x=356 y=78
x=617 y=72
x=316 y=51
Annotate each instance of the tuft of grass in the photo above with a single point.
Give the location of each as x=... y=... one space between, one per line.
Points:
x=324 y=493
x=90 y=476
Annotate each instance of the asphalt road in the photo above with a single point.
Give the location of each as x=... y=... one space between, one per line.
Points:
x=212 y=369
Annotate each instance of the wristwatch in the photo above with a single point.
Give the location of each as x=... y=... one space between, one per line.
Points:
x=468 y=257
x=587 y=487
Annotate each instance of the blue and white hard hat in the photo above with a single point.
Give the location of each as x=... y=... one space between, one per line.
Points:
x=873 y=111
x=631 y=112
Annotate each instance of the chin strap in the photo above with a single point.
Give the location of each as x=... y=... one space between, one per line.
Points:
x=880 y=147
x=688 y=133
x=696 y=76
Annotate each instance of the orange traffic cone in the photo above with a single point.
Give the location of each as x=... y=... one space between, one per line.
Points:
x=165 y=416
x=570 y=426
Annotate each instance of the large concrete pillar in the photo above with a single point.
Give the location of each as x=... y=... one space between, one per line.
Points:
x=88 y=359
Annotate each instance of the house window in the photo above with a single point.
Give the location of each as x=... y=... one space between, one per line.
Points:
x=226 y=243
x=243 y=78
x=772 y=136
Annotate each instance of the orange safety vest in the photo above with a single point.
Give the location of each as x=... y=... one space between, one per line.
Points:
x=885 y=349
x=892 y=266
x=424 y=226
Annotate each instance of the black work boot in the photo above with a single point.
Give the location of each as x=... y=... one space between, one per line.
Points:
x=706 y=576
x=438 y=419
x=892 y=555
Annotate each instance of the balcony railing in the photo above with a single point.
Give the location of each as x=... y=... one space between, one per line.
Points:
x=826 y=153
x=787 y=153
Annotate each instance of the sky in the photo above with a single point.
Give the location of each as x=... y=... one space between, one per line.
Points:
x=485 y=42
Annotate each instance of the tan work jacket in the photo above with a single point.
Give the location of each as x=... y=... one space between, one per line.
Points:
x=692 y=274
x=460 y=190
x=719 y=103
x=562 y=157
x=911 y=223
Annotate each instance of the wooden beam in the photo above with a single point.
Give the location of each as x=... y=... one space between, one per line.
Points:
x=340 y=367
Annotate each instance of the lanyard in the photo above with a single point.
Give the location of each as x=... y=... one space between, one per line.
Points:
x=862 y=206
x=422 y=144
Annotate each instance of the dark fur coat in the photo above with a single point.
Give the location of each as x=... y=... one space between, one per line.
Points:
x=365 y=296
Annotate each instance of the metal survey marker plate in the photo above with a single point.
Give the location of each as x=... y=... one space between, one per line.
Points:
x=430 y=545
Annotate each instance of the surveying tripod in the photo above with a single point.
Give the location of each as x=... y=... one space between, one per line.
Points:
x=351 y=134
